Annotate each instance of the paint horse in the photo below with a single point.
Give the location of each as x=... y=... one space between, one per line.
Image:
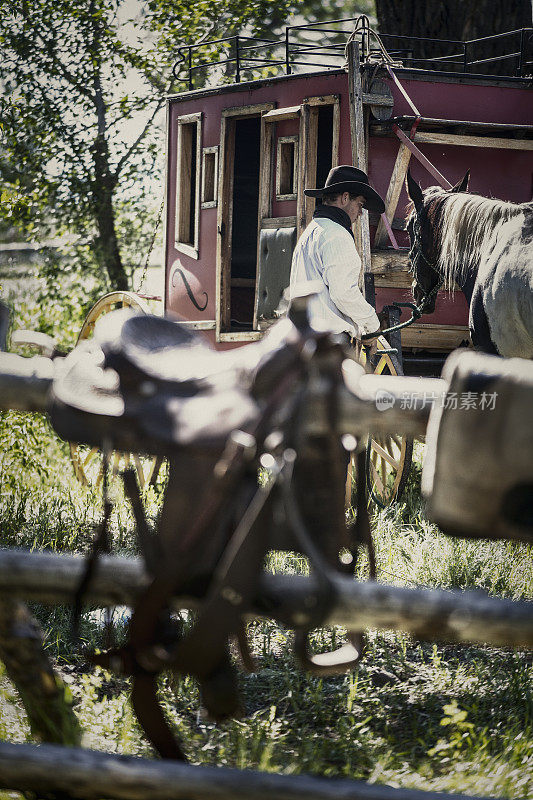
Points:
x=484 y=246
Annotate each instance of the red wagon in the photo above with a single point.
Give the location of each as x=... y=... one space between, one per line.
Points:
x=239 y=156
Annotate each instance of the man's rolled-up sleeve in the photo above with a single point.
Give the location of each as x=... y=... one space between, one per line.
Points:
x=341 y=270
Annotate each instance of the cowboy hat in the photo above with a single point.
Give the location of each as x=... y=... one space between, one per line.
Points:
x=349 y=179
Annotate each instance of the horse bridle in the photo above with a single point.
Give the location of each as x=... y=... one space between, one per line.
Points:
x=417 y=309
x=416 y=252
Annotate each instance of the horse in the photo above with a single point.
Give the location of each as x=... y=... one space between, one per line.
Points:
x=483 y=245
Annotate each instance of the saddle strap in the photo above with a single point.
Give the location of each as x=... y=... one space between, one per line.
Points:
x=150 y=714
x=100 y=545
x=148 y=543
x=347 y=656
x=229 y=469
x=204 y=651
x=233 y=586
x=362 y=533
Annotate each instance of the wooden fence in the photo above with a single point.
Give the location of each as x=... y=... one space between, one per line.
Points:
x=428 y=614
x=78 y=773
x=91 y=775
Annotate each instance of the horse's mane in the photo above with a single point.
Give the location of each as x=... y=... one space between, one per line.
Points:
x=466 y=225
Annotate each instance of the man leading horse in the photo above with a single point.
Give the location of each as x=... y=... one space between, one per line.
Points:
x=326 y=253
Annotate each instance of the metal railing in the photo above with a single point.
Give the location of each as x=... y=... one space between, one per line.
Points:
x=241 y=51
x=321 y=45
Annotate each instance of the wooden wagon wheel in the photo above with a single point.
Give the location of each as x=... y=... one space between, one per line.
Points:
x=388 y=458
x=88 y=461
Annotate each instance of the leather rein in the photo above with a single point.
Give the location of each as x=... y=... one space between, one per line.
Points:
x=417 y=309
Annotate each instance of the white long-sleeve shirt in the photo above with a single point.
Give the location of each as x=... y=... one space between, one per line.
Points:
x=326 y=253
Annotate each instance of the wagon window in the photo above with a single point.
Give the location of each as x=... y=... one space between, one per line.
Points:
x=286 y=168
x=209 y=177
x=188 y=184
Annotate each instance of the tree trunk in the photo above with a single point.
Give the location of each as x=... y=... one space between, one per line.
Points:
x=42 y=692
x=106 y=247
x=107 y=251
x=459 y=20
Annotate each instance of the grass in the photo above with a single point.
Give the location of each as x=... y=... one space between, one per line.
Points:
x=417 y=715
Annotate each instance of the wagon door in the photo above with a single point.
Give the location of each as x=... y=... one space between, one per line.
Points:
x=241 y=180
x=301 y=145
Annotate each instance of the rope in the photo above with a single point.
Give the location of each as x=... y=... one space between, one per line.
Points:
x=150 y=248
x=403 y=91
x=362 y=26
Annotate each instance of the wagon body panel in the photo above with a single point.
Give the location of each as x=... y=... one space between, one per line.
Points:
x=194 y=282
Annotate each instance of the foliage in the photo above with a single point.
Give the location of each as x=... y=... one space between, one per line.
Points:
x=382 y=724
x=65 y=152
x=186 y=22
x=22 y=453
x=82 y=87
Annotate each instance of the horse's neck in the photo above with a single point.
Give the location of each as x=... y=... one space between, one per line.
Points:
x=465 y=282
x=467 y=285
x=466 y=227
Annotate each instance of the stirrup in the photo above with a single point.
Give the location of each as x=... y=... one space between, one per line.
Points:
x=334 y=662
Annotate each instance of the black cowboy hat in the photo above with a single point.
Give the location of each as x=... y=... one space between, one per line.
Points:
x=349 y=179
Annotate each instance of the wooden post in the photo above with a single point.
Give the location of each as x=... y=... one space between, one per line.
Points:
x=395 y=338
x=431 y=137
x=43 y=693
x=393 y=193
x=359 y=158
x=5 y=319
x=303 y=171
x=25 y=382
x=87 y=774
x=23 y=387
x=370 y=288
x=311 y=161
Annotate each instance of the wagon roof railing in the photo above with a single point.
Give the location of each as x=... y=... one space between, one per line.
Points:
x=321 y=46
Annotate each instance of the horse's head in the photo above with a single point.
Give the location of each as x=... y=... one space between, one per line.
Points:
x=423 y=229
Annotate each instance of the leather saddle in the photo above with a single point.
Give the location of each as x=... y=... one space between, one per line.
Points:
x=147 y=384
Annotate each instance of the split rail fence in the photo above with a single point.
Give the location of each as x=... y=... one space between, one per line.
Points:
x=428 y=614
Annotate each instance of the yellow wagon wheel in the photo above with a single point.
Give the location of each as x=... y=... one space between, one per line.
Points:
x=388 y=458
x=88 y=461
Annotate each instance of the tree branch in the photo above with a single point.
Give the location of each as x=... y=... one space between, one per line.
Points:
x=69 y=77
x=138 y=140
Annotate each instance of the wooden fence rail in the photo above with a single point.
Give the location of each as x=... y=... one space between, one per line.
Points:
x=25 y=385
x=426 y=613
x=91 y=775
